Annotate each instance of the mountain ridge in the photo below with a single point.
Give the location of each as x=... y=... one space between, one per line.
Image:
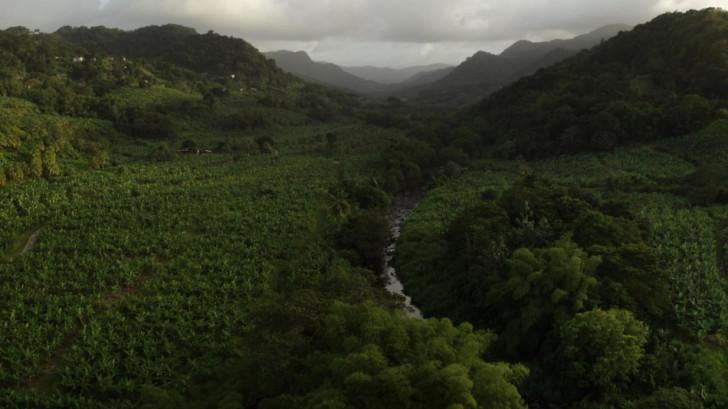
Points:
x=484 y=73
x=299 y=63
x=577 y=43
x=664 y=78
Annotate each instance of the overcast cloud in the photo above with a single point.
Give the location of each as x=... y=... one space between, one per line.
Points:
x=357 y=32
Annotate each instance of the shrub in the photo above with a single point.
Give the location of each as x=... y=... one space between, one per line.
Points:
x=162 y=153
x=600 y=349
x=673 y=398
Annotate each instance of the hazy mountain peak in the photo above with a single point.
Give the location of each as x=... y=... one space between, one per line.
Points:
x=300 y=64
x=588 y=40
x=387 y=75
x=301 y=56
x=170 y=29
x=483 y=54
x=612 y=29
x=484 y=72
x=520 y=43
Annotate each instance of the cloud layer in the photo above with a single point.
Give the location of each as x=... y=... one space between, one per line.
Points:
x=383 y=32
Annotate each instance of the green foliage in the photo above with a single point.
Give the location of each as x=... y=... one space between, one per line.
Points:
x=51 y=167
x=146 y=270
x=148 y=124
x=303 y=352
x=148 y=98
x=673 y=398
x=686 y=250
x=600 y=351
x=366 y=233
x=245 y=146
x=707 y=147
x=463 y=232
x=637 y=87
x=523 y=223
x=36 y=163
x=707 y=185
x=700 y=368
x=405 y=162
x=162 y=153
x=63 y=79
x=453 y=154
x=209 y=53
x=152 y=83
x=538 y=291
x=36 y=145
x=709 y=371
x=631 y=278
x=245 y=120
x=11 y=399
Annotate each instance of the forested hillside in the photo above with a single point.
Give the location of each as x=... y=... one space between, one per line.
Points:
x=665 y=78
x=56 y=106
x=484 y=73
x=65 y=105
x=210 y=53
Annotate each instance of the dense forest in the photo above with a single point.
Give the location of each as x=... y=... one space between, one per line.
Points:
x=662 y=79
x=598 y=255
x=187 y=226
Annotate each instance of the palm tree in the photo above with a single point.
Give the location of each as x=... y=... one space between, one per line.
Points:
x=338 y=203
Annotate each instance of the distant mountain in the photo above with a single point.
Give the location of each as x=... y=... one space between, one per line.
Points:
x=531 y=50
x=439 y=84
x=429 y=76
x=385 y=75
x=665 y=78
x=301 y=65
x=484 y=73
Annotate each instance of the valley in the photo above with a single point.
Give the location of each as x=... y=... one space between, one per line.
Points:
x=439 y=84
x=190 y=223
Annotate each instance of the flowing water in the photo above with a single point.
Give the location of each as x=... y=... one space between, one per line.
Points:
x=402 y=208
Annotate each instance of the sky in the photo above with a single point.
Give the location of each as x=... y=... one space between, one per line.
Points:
x=393 y=33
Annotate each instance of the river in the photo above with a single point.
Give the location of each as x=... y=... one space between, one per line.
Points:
x=402 y=208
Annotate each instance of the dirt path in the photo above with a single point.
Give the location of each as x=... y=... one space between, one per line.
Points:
x=23 y=244
x=30 y=243
x=49 y=370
